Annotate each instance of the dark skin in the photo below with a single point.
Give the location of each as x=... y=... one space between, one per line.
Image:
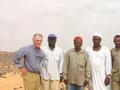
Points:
x=77 y=46
x=97 y=47
x=51 y=44
x=96 y=43
x=117 y=42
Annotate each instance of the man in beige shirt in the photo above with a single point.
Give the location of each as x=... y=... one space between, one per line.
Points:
x=115 y=52
x=76 y=71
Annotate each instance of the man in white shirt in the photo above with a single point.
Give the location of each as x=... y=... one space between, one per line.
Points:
x=52 y=68
x=100 y=62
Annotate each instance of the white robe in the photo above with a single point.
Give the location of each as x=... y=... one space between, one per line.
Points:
x=100 y=62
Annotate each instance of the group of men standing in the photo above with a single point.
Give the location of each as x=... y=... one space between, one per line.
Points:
x=45 y=67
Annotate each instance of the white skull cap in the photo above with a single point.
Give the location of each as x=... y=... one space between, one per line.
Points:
x=97 y=34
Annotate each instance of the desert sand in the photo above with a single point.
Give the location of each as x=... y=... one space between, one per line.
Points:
x=11 y=81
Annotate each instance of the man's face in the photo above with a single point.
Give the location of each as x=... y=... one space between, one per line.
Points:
x=51 y=42
x=77 y=44
x=37 y=40
x=117 y=42
x=96 y=40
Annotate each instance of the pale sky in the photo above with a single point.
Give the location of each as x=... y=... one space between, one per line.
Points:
x=20 y=19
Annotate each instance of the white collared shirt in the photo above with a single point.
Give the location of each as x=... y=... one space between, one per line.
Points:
x=51 y=69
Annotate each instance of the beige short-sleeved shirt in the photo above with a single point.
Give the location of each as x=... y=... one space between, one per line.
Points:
x=76 y=67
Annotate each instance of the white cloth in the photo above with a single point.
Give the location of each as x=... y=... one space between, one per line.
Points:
x=100 y=62
x=51 y=69
x=97 y=34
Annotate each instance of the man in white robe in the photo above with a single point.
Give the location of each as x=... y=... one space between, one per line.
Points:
x=100 y=62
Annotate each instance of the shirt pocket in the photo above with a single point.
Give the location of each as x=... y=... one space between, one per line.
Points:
x=115 y=56
x=81 y=61
x=115 y=61
x=57 y=58
x=38 y=59
x=82 y=64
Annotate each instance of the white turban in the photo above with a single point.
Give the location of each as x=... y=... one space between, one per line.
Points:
x=97 y=34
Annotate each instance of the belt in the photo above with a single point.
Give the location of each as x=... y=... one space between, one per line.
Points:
x=34 y=72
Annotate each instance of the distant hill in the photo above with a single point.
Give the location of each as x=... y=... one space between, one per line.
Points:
x=6 y=56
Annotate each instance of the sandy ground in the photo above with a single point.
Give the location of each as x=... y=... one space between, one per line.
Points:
x=13 y=81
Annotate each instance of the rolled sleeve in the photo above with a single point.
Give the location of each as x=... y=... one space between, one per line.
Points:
x=65 y=66
x=18 y=56
x=88 y=74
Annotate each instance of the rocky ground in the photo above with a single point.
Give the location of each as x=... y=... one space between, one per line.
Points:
x=10 y=77
x=6 y=63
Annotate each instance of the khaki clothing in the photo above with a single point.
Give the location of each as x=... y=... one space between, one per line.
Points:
x=76 y=67
x=115 y=69
x=115 y=85
x=50 y=84
x=31 y=81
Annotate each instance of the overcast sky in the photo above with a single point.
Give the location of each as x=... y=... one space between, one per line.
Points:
x=20 y=19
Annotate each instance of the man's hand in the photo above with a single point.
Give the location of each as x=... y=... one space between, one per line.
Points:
x=107 y=80
x=65 y=81
x=23 y=70
x=85 y=83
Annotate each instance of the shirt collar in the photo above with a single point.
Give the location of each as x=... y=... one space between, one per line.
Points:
x=117 y=49
x=50 y=49
x=35 y=47
x=81 y=51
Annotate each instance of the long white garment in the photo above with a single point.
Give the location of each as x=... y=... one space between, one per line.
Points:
x=53 y=66
x=100 y=62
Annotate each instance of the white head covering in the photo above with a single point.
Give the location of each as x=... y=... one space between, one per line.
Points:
x=97 y=34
